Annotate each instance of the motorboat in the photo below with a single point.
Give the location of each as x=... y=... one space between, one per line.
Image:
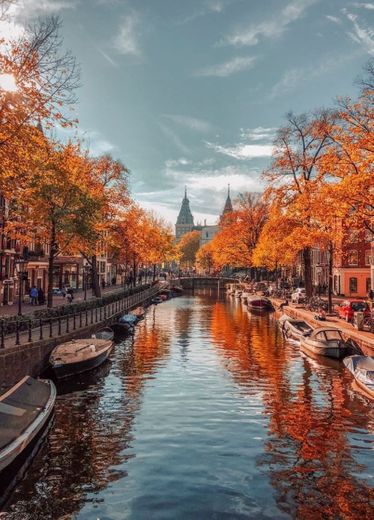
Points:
x=245 y=295
x=325 y=341
x=139 y=312
x=362 y=369
x=259 y=303
x=24 y=411
x=295 y=329
x=79 y=355
x=104 y=333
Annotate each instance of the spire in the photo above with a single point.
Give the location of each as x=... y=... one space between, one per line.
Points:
x=228 y=203
x=185 y=215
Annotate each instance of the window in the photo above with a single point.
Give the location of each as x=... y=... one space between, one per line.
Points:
x=353 y=257
x=352 y=235
x=353 y=285
x=367 y=257
x=368 y=235
x=359 y=306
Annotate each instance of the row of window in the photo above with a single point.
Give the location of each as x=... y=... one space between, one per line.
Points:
x=353 y=257
x=353 y=235
x=353 y=284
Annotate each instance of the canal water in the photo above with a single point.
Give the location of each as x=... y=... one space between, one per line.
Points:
x=205 y=413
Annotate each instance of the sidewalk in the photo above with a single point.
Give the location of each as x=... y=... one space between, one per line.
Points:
x=27 y=308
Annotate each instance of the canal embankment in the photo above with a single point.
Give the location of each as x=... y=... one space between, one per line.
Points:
x=364 y=339
x=26 y=352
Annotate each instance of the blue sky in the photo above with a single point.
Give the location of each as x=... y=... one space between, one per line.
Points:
x=191 y=92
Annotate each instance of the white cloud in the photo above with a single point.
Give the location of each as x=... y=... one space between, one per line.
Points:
x=259 y=133
x=293 y=78
x=237 y=64
x=364 y=5
x=192 y=123
x=274 y=27
x=364 y=36
x=334 y=19
x=172 y=163
x=243 y=151
x=127 y=40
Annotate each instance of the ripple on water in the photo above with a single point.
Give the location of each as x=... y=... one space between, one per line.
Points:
x=205 y=413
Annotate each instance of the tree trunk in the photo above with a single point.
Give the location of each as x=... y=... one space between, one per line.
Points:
x=96 y=289
x=307 y=261
x=331 y=262
x=154 y=272
x=51 y=259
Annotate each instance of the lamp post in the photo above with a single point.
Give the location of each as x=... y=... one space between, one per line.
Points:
x=20 y=265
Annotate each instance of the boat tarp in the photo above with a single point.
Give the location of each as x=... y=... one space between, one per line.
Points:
x=20 y=408
x=362 y=367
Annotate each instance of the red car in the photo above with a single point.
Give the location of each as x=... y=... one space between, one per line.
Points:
x=347 y=308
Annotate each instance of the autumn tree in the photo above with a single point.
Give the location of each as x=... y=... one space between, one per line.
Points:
x=205 y=257
x=292 y=177
x=187 y=247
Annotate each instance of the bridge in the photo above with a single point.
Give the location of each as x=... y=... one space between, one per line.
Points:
x=200 y=282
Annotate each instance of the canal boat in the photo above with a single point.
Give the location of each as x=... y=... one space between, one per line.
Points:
x=79 y=355
x=362 y=369
x=24 y=411
x=259 y=304
x=295 y=329
x=325 y=341
x=104 y=333
x=139 y=312
x=245 y=295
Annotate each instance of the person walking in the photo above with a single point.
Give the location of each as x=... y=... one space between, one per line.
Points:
x=34 y=295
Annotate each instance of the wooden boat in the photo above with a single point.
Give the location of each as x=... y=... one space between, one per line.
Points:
x=78 y=355
x=24 y=410
x=362 y=369
x=139 y=312
x=104 y=333
x=294 y=328
x=259 y=303
x=325 y=341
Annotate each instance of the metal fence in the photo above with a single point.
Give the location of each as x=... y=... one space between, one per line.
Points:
x=29 y=331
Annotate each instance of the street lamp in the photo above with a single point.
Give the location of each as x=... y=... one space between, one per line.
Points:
x=20 y=265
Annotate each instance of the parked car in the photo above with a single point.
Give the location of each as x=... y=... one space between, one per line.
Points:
x=299 y=295
x=347 y=308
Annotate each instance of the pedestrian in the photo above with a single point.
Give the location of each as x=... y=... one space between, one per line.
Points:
x=70 y=294
x=41 y=298
x=371 y=295
x=34 y=295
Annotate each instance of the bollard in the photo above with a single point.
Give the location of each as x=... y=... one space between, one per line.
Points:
x=41 y=329
x=59 y=326
x=80 y=319
x=30 y=331
x=86 y=317
x=50 y=328
x=2 y=334
x=74 y=322
x=17 y=332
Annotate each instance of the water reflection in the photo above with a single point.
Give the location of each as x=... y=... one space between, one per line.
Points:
x=308 y=455
x=205 y=413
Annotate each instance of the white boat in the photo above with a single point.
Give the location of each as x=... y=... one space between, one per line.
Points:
x=325 y=341
x=24 y=410
x=245 y=295
x=292 y=328
x=362 y=369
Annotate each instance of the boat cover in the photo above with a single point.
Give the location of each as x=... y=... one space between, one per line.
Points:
x=20 y=408
x=362 y=367
x=128 y=318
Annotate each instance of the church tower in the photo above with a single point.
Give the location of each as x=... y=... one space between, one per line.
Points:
x=185 y=222
x=228 y=204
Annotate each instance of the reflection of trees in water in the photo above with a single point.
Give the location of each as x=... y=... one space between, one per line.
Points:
x=91 y=433
x=307 y=454
x=182 y=322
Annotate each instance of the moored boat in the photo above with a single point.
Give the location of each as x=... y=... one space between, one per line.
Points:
x=259 y=303
x=325 y=341
x=24 y=410
x=295 y=329
x=362 y=369
x=79 y=355
x=139 y=312
x=104 y=333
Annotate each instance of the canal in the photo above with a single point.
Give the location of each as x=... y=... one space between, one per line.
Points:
x=205 y=413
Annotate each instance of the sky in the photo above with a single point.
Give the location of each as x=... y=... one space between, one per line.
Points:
x=192 y=92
